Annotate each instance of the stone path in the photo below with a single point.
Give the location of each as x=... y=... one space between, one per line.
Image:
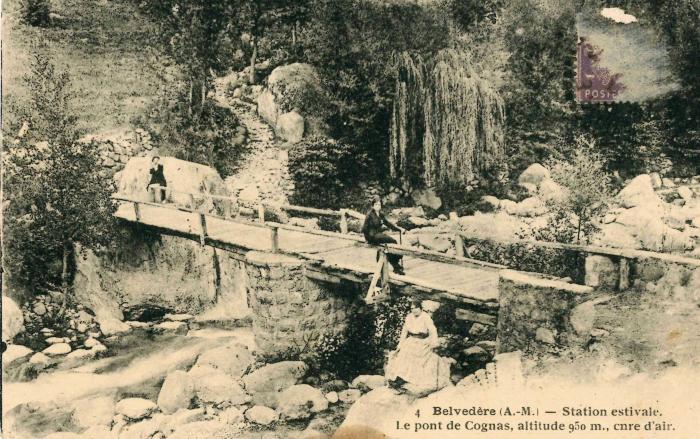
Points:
x=263 y=173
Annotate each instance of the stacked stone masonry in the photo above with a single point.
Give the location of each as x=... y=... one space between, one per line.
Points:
x=115 y=149
x=291 y=312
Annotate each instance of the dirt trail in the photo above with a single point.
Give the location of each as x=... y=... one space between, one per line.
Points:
x=263 y=173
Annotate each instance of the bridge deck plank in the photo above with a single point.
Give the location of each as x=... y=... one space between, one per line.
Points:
x=469 y=281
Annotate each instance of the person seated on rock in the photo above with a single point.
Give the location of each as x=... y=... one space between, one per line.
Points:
x=158 y=179
x=414 y=366
x=374 y=232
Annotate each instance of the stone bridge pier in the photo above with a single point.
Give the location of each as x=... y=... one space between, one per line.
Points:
x=292 y=313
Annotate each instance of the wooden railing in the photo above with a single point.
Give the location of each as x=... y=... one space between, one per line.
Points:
x=342 y=234
x=382 y=273
x=260 y=208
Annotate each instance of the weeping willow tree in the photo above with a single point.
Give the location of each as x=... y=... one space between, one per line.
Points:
x=446 y=118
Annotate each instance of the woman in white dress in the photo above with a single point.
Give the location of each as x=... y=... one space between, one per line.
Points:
x=414 y=365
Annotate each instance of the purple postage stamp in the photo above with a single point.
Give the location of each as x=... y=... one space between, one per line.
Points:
x=619 y=58
x=595 y=82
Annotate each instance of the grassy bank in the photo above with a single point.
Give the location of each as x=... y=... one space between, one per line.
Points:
x=108 y=48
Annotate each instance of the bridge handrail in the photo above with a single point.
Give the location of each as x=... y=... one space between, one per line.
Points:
x=396 y=249
x=458 y=235
x=257 y=203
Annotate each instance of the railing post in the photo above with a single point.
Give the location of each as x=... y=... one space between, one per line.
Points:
x=192 y=202
x=624 y=274
x=137 y=211
x=459 y=245
x=380 y=272
x=385 y=272
x=343 y=221
x=157 y=193
x=202 y=228
x=227 y=208
x=261 y=213
x=274 y=235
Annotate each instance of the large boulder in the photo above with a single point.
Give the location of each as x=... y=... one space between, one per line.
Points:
x=12 y=320
x=615 y=235
x=290 y=127
x=89 y=291
x=534 y=174
x=426 y=197
x=531 y=207
x=15 y=353
x=215 y=387
x=176 y=393
x=601 y=272
x=135 y=408
x=374 y=412
x=234 y=359
x=498 y=225
x=267 y=108
x=550 y=191
x=98 y=410
x=639 y=191
x=183 y=178
x=264 y=384
x=371 y=382
x=436 y=243
x=300 y=402
x=57 y=349
x=262 y=415
x=201 y=430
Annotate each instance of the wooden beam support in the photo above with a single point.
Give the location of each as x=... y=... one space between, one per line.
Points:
x=192 y=205
x=275 y=238
x=624 y=274
x=261 y=213
x=378 y=275
x=343 y=221
x=202 y=229
x=472 y=316
x=459 y=245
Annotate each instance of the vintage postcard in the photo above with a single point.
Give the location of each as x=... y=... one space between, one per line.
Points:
x=346 y=219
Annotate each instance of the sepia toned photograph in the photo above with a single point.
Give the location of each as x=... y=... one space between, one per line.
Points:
x=350 y=219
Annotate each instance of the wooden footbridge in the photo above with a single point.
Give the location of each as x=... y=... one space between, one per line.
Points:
x=239 y=226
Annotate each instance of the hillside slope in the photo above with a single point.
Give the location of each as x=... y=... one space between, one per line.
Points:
x=108 y=48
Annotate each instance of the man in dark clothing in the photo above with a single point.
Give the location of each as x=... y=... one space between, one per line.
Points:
x=374 y=234
x=157 y=178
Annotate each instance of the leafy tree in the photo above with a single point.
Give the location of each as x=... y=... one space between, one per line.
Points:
x=197 y=35
x=586 y=191
x=352 y=43
x=323 y=170
x=538 y=91
x=54 y=195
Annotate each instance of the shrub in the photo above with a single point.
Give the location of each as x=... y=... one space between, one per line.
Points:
x=361 y=348
x=36 y=12
x=323 y=171
x=586 y=184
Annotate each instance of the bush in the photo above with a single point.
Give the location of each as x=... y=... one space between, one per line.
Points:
x=323 y=171
x=361 y=349
x=36 y=12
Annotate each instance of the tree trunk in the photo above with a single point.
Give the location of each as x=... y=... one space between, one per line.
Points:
x=253 y=57
x=294 y=35
x=189 y=108
x=64 y=276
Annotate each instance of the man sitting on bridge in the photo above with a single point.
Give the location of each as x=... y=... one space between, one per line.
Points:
x=374 y=234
